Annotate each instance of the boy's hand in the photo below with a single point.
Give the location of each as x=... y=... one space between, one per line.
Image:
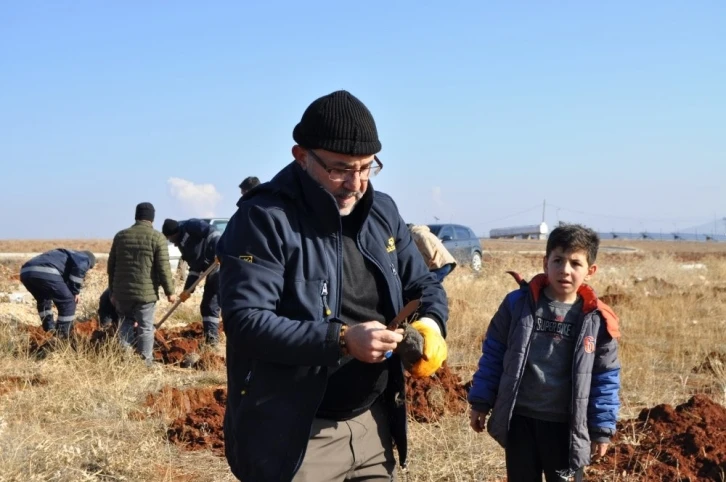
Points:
x=598 y=449
x=477 y=420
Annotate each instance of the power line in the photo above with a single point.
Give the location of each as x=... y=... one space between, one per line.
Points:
x=628 y=218
x=510 y=215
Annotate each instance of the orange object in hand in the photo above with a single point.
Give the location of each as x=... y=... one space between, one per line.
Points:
x=435 y=350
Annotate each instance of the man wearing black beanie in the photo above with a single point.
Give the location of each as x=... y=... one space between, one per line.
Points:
x=138 y=265
x=314 y=265
x=197 y=243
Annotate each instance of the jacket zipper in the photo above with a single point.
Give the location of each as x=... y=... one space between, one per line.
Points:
x=324 y=295
x=246 y=383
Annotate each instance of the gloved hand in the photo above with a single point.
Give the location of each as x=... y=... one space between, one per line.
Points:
x=184 y=295
x=435 y=350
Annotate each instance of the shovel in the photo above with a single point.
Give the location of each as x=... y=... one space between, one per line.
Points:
x=194 y=285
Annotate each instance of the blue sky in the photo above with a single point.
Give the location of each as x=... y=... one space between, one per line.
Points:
x=614 y=112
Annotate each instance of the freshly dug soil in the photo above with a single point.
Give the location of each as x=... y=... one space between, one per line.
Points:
x=682 y=444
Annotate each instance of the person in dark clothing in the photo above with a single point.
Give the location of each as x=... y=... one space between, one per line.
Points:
x=248 y=184
x=56 y=277
x=107 y=316
x=197 y=242
x=314 y=264
x=138 y=265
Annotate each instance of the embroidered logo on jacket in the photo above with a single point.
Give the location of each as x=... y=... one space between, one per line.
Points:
x=247 y=259
x=391 y=245
x=589 y=343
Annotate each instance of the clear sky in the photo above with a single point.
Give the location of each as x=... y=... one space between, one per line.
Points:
x=614 y=112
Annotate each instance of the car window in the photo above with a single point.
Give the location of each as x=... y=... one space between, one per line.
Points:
x=435 y=228
x=220 y=225
x=461 y=232
x=471 y=234
x=446 y=231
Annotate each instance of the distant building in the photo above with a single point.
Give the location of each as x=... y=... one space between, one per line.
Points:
x=534 y=231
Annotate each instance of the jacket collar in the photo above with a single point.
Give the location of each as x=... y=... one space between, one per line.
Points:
x=590 y=302
x=297 y=185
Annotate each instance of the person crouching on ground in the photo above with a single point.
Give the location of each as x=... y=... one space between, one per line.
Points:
x=57 y=276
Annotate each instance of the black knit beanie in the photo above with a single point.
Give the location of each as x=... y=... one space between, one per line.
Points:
x=145 y=212
x=91 y=257
x=170 y=227
x=338 y=122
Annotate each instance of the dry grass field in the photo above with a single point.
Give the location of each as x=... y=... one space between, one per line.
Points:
x=92 y=413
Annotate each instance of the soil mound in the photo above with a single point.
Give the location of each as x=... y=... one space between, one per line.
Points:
x=196 y=416
x=184 y=347
x=683 y=444
x=428 y=399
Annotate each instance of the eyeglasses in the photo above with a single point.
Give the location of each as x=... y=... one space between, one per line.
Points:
x=338 y=175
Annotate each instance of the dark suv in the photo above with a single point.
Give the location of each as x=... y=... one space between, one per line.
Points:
x=461 y=242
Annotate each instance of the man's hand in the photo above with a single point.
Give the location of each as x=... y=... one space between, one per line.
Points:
x=184 y=295
x=598 y=450
x=369 y=341
x=477 y=420
x=76 y=298
x=171 y=298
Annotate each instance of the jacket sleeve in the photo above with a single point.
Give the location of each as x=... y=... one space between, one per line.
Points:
x=196 y=227
x=604 y=402
x=162 y=266
x=416 y=280
x=111 y=265
x=199 y=230
x=252 y=267
x=79 y=265
x=485 y=383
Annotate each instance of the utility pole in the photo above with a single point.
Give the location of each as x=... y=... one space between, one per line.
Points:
x=544 y=205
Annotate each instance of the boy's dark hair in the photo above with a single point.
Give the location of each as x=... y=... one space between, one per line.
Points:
x=574 y=237
x=249 y=183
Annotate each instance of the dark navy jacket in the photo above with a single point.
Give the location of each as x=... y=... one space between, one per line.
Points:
x=198 y=245
x=281 y=266
x=61 y=264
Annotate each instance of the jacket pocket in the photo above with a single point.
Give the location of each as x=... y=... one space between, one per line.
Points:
x=306 y=300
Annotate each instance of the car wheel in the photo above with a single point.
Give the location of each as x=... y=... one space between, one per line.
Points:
x=476 y=261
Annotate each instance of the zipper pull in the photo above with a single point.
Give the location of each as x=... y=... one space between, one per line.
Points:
x=393 y=269
x=246 y=382
x=324 y=294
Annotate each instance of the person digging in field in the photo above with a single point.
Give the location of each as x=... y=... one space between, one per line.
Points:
x=549 y=373
x=313 y=264
x=248 y=184
x=56 y=277
x=197 y=242
x=138 y=265
x=107 y=316
x=435 y=254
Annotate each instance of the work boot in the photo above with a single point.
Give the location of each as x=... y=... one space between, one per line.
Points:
x=63 y=330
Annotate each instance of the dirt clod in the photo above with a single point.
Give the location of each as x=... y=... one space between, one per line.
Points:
x=686 y=443
x=428 y=399
x=185 y=347
x=196 y=416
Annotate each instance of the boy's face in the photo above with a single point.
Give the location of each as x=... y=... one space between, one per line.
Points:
x=566 y=272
